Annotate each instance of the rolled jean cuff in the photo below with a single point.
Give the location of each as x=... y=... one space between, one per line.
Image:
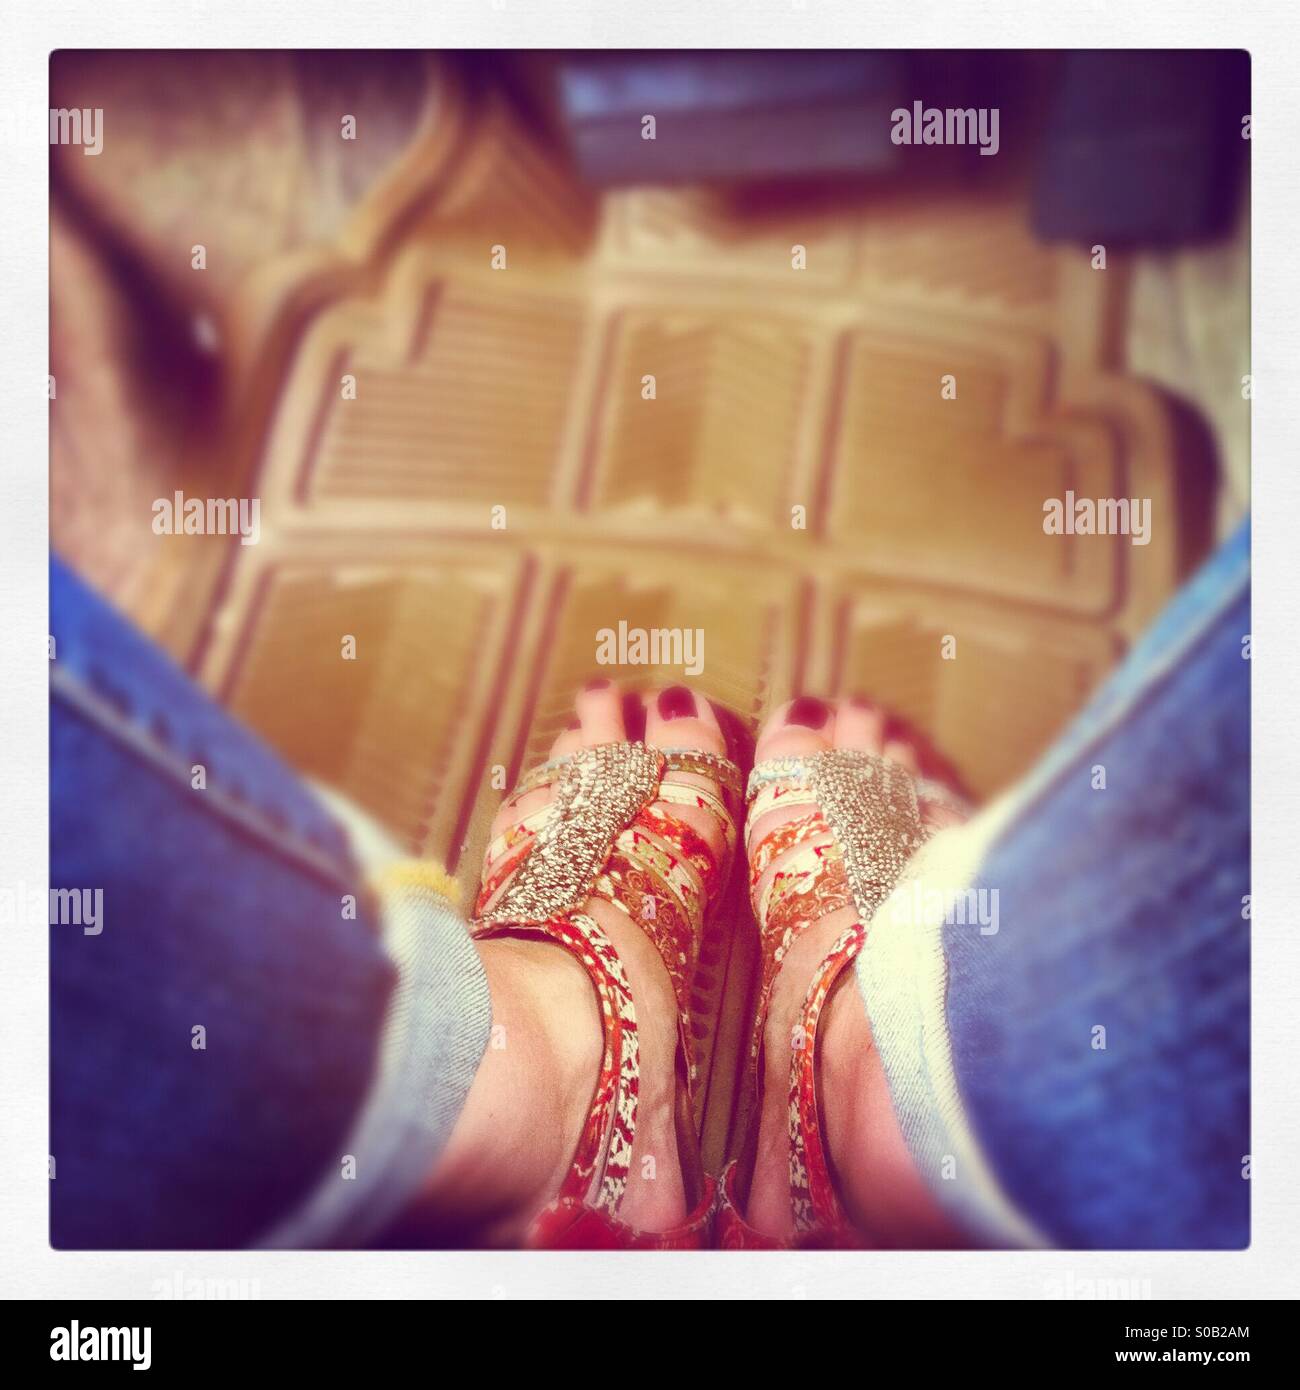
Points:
x=902 y=974
x=1047 y=1131
x=435 y=1033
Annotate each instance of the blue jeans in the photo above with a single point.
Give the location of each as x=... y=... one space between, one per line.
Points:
x=1080 y=1076
x=223 y=1034
x=237 y=1058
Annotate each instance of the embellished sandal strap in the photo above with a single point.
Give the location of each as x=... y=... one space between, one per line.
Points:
x=772 y=796
x=512 y=836
x=656 y=870
x=780 y=839
x=680 y=794
x=602 y=836
x=666 y=828
x=711 y=765
x=535 y=779
x=813 y=1200
x=649 y=881
x=869 y=804
x=791 y=903
x=808 y=885
x=647 y=896
x=499 y=872
x=597 y=793
x=859 y=823
x=598 y=1175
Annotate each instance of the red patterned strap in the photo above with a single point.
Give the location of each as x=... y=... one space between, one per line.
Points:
x=857 y=823
x=584 y=1214
x=662 y=874
x=812 y=1193
x=819 y=1218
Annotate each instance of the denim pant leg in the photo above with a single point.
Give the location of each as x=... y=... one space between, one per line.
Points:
x=214 y=1030
x=1092 y=1052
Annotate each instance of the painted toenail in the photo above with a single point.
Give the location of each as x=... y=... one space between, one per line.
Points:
x=676 y=703
x=600 y=683
x=809 y=712
x=861 y=702
x=573 y=725
x=633 y=716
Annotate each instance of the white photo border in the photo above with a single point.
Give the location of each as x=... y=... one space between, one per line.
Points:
x=28 y=1266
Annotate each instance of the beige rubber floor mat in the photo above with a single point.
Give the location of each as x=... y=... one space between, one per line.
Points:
x=836 y=474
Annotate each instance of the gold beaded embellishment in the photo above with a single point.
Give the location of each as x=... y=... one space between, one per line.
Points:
x=711 y=765
x=598 y=792
x=870 y=804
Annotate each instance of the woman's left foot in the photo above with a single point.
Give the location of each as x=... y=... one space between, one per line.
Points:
x=632 y=922
x=874 y=1178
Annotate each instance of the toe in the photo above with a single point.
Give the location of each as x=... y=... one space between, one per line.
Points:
x=515 y=809
x=801 y=728
x=859 y=724
x=678 y=718
x=805 y=725
x=512 y=811
x=600 y=713
x=569 y=740
x=899 y=749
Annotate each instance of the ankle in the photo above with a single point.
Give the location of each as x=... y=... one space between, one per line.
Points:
x=532 y=1094
x=783 y=1029
x=654 y=1000
x=837 y=1049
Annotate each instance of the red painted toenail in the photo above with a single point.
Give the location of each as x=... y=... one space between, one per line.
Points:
x=600 y=683
x=633 y=716
x=807 y=711
x=861 y=702
x=897 y=730
x=676 y=703
x=573 y=725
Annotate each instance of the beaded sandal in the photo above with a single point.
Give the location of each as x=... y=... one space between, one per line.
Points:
x=865 y=817
x=603 y=836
